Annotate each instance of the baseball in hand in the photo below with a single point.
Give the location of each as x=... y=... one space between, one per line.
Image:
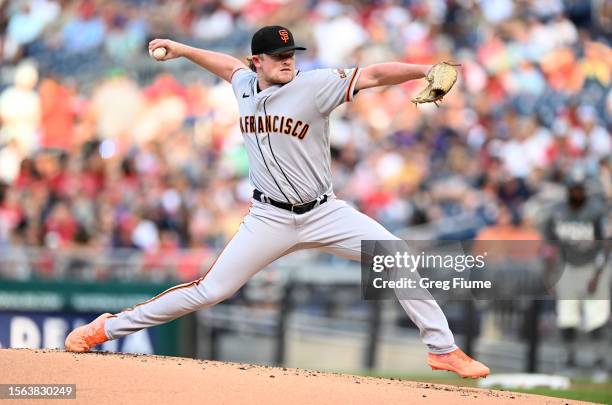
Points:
x=158 y=53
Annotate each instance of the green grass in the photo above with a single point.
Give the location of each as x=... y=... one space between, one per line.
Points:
x=582 y=390
x=600 y=393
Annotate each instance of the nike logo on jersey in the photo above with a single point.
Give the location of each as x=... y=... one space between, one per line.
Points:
x=244 y=95
x=274 y=124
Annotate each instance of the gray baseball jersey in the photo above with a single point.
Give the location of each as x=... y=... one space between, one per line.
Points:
x=286 y=130
x=579 y=232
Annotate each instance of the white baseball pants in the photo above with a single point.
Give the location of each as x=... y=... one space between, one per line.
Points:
x=266 y=234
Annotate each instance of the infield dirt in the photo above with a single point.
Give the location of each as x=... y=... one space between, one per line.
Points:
x=115 y=378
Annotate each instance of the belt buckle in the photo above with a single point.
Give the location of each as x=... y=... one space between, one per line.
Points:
x=293 y=206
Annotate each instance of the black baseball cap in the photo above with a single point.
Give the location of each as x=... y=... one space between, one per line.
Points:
x=272 y=40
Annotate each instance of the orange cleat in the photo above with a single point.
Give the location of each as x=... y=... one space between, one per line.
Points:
x=458 y=362
x=86 y=337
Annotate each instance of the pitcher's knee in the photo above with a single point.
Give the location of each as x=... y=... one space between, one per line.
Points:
x=212 y=296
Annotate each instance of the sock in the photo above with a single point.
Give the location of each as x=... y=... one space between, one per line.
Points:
x=600 y=346
x=569 y=340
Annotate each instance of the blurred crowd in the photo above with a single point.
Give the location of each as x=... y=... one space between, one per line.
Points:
x=102 y=147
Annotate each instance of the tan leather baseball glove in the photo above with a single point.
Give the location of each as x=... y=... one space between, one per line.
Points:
x=441 y=77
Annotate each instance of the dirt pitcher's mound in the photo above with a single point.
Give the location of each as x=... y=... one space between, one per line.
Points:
x=105 y=378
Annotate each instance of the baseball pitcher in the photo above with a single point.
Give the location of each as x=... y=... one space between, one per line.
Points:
x=284 y=119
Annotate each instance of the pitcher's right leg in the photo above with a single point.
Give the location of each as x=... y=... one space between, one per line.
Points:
x=341 y=228
x=257 y=243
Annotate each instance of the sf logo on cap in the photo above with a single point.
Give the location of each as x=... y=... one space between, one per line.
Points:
x=284 y=35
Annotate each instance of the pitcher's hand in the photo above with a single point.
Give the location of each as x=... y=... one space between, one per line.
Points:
x=173 y=49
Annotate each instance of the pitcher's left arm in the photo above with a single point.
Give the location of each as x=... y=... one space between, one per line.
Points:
x=441 y=77
x=390 y=73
